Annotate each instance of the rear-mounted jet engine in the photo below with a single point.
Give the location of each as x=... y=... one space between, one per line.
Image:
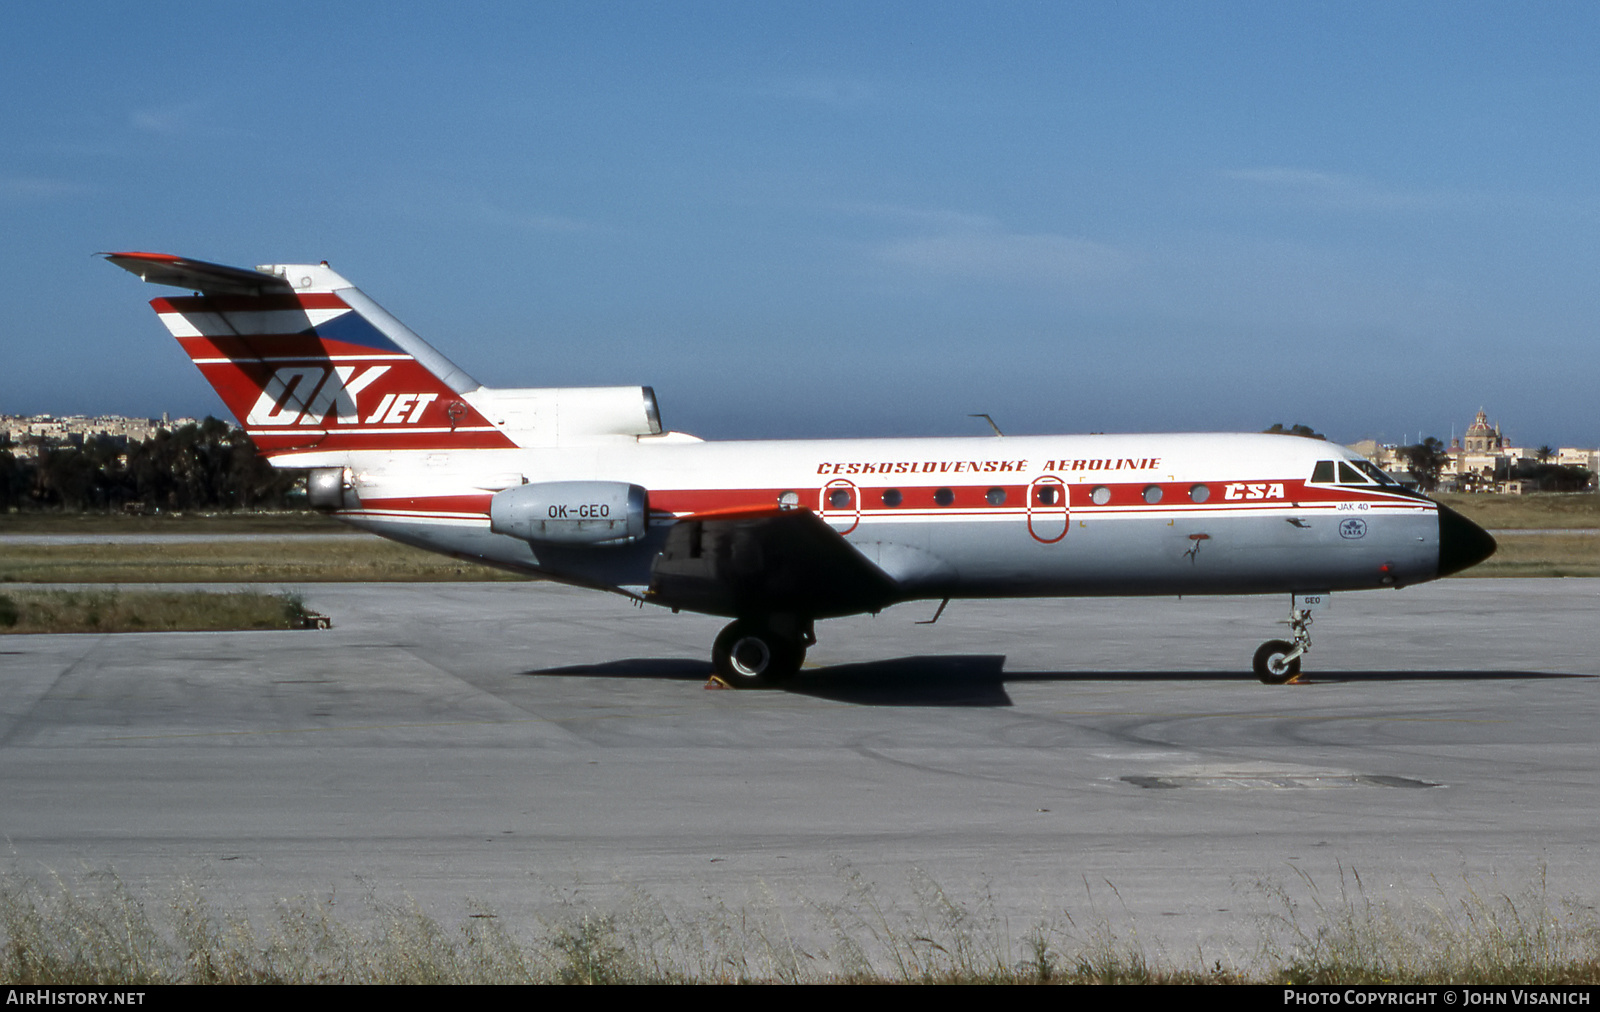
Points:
x=571 y=512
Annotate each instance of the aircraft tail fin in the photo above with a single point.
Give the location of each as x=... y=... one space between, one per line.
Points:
x=306 y=362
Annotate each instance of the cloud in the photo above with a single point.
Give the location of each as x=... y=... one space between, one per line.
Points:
x=949 y=244
x=168 y=120
x=839 y=92
x=550 y=223
x=933 y=220
x=28 y=189
x=1281 y=176
x=490 y=213
x=978 y=247
x=465 y=206
x=1333 y=190
x=992 y=254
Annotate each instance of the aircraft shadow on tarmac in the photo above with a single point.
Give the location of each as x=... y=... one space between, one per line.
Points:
x=957 y=680
x=978 y=679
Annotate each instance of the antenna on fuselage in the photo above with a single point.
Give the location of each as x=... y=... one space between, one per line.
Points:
x=992 y=425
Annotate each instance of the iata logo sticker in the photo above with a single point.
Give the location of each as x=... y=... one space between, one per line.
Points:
x=304 y=394
x=1352 y=528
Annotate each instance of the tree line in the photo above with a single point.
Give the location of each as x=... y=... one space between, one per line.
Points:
x=207 y=465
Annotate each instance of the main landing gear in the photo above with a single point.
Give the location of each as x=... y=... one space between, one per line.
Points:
x=749 y=654
x=1278 y=661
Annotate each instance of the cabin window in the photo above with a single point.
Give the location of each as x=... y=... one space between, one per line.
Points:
x=1152 y=494
x=1199 y=493
x=944 y=497
x=839 y=498
x=788 y=500
x=1046 y=494
x=1323 y=472
x=1100 y=496
x=892 y=497
x=995 y=497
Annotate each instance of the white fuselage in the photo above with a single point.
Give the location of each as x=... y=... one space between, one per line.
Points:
x=1131 y=514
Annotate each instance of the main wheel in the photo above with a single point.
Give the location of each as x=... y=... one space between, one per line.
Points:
x=1272 y=665
x=748 y=656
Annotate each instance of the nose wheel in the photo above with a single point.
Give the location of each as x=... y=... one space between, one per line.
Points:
x=1278 y=661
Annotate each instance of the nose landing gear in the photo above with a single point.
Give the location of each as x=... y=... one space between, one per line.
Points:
x=1278 y=661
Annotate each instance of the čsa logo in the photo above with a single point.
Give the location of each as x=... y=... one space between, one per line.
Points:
x=306 y=394
x=1265 y=490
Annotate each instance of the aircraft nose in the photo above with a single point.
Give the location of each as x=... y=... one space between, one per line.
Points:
x=1462 y=543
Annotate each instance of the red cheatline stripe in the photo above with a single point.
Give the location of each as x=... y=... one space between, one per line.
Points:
x=246 y=303
x=740 y=512
x=477 y=505
x=164 y=258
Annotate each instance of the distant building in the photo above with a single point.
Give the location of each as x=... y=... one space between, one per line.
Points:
x=31 y=432
x=1482 y=459
x=1481 y=437
x=1572 y=456
x=1478 y=460
x=1386 y=456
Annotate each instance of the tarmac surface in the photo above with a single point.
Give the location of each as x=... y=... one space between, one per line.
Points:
x=1105 y=764
x=179 y=539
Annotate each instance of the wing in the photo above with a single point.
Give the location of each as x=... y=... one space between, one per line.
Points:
x=766 y=561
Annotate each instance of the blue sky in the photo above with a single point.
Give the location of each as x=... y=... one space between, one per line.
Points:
x=844 y=219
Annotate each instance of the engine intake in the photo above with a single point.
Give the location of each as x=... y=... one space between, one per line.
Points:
x=330 y=488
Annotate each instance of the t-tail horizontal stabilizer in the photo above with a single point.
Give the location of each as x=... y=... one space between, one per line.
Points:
x=305 y=361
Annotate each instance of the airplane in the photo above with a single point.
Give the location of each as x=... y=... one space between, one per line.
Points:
x=583 y=485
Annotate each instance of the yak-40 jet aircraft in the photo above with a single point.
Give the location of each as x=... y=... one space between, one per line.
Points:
x=584 y=486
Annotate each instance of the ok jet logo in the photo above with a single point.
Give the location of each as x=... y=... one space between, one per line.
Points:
x=304 y=394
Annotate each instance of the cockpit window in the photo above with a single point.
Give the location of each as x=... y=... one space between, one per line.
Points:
x=1375 y=472
x=1350 y=472
x=1349 y=475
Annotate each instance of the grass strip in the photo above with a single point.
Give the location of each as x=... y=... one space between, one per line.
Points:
x=1539 y=511
x=286 y=560
x=108 y=611
x=222 y=522
x=1541 y=555
x=101 y=932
